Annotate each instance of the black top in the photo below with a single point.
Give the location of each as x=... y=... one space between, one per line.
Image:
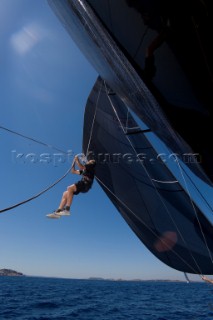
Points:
x=88 y=173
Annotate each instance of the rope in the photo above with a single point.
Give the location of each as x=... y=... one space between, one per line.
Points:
x=141 y=42
x=110 y=15
x=192 y=182
x=186 y=277
x=32 y=139
x=93 y=121
x=49 y=146
x=166 y=182
x=37 y=195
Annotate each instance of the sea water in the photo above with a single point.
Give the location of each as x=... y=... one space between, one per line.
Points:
x=32 y=298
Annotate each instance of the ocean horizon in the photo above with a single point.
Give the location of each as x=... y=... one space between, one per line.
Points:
x=44 y=298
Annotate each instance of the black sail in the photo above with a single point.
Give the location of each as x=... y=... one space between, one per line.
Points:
x=146 y=194
x=157 y=55
x=171 y=92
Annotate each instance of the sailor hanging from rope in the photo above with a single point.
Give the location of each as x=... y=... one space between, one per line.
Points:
x=88 y=172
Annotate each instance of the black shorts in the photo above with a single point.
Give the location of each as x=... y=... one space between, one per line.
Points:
x=82 y=186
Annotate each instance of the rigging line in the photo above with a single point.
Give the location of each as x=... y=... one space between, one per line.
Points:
x=127 y=119
x=35 y=196
x=153 y=183
x=201 y=48
x=94 y=28
x=195 y=211
x=141 y=42
x=204 y=199
x=32 y=139
x=186 y=277
x=166 y=182
x=158 y=181
x=93 y=121
x=110 y=14
x=139 y=130
x=156 y=235
x=132 y=128
x=127 y=128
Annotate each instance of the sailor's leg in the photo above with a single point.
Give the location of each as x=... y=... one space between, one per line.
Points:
x=63 y=200
x=70 y=192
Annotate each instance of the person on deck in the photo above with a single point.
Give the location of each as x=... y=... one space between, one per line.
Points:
x=88 y=172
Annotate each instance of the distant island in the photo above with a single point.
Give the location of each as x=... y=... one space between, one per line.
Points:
x=9 y=272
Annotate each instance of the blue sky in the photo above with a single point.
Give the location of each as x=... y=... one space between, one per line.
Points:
x=45 y=82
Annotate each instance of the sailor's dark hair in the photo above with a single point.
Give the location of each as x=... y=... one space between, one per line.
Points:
x=92 y=163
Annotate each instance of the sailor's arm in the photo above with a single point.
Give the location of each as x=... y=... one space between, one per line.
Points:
x=81 y=167
x=73 y=170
